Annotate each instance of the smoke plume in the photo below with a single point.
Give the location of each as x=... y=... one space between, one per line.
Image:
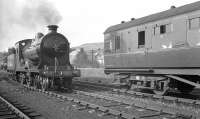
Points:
x=21 y=18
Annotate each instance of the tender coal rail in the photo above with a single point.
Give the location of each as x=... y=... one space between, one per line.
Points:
x=10 y=109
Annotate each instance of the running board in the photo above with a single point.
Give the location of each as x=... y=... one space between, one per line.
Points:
x=184 y=80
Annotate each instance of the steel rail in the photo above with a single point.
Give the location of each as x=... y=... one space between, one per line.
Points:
x=135 y=93
x=14 y=109
x=171 y=100
x=107 y=110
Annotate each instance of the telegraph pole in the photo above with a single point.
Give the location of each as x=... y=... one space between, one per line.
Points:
x=92 y=56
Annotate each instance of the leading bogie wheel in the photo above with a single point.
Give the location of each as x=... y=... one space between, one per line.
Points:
x=68 y=83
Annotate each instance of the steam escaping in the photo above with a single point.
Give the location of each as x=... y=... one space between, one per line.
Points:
x=21 y=19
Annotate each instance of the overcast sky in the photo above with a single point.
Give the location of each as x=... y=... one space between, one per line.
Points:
x=84 y=21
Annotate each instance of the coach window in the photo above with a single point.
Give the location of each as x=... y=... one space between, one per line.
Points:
x=141 y=39
x=117 y=42
x=194 y=23
x=108 y=46
x=162 y=29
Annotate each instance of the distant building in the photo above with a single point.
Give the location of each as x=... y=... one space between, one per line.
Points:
x=100 y=56
x=94 y=52
x=86 y=59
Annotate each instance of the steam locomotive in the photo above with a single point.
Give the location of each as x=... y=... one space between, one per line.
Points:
x=163 y=48
x=43 y=62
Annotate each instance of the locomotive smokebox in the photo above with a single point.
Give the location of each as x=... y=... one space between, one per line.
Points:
x=52 y=28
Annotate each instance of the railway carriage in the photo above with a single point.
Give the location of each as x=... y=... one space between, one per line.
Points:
x=43 y=61
x=163 y=46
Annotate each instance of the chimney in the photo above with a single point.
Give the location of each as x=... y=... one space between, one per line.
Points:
x=172 y=7
x=132 y=19
x=52 y=28
x=122 y=22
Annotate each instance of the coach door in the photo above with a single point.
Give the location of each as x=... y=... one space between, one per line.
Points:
x=142 y=53
x=193 y=26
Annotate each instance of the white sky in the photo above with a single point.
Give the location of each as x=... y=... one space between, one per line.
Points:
x=84 y=21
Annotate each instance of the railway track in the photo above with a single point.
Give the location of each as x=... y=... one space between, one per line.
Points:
x=167 y=104
x=130 y=107
x=13 y=110
x=93 y=86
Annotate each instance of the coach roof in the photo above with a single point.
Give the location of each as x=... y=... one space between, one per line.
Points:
x=158 y=16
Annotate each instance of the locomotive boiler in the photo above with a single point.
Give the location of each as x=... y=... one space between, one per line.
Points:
x=162 y=48
x=43 y=61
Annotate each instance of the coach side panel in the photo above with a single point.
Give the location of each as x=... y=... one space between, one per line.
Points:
x=166 y=49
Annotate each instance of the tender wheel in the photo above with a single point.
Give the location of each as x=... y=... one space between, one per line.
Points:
x=68 y=83
x=22 y=78
x=40 y=82
x=51 y=83
x=55 y=83
x=28 y=79
x=17 y=77
x=28 y=83
x=35 y=81
x=13 y=76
